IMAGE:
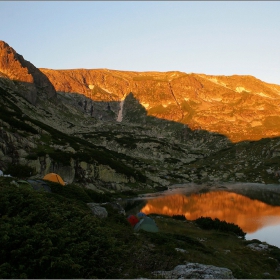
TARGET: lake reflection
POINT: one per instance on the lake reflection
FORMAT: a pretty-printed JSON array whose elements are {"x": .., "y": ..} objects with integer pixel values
[{"x": 249, "y": 214}]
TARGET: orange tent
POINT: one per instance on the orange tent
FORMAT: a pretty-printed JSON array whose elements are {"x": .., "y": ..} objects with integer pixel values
[{"x": 54, "y": 178}]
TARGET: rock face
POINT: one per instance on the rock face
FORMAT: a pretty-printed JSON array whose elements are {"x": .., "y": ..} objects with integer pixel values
[
  {"x": 240, "y": 107},
  {"x": 29, "y": 79},
  {"x": 196, "y": 271}
]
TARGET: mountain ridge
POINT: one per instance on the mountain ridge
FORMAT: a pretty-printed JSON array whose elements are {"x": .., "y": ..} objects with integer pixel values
[
  {"x": 115, "y": 130},
  {"x": 240, "y": 107}
]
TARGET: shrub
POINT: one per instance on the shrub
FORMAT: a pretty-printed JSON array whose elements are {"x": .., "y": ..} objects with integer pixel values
[
  {"x": 98, "y": 197},
  {"x": 179, "y": 217},
  {"x": 73, "y": 191},
  {"x": 208, "y": 223},
  {"x": 19, "y": 171},
  {"x": 69, "y": 191},
  {"x": 43, "y": 236}
]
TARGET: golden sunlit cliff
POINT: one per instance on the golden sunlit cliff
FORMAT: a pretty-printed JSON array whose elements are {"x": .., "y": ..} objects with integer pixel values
[
  {"x": 30, "y": 81},
  {"x": 240, "y": 107}
]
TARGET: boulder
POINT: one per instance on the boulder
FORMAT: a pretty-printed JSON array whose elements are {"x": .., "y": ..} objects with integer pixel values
[
  {"x": 258, "y": 247},
  {"x": 195, "y": 271},
  {"x": 98, "y": 210},
  {"x": 181, "y": 250}
]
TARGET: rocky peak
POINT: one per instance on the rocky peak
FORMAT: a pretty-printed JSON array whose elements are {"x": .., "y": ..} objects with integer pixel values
[{"x": 29, "y": 79}]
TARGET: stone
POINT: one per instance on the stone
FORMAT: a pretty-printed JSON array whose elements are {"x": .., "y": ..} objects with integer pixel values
[
  {"x": 258, "y": 247},
  {"x": 239, "y": 175},
  {"x": 195, "y": 271},
  {"x": 83, "y": 165},
  {"x": 181, "y": 250},
  {"x": 92, "y": 187},
  {"x": 98, "y": 210},
  {"x": 22, "y": 153},
  {"x": 14, "y": 183},
  {"x": 70, "y": 150}
]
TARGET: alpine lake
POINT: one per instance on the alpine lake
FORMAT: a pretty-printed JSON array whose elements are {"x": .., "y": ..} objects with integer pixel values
[{"x": 254, "y": 207}]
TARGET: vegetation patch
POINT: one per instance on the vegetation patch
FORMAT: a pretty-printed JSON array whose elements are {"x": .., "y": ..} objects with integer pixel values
[
  {"x": 208, "y": 223},
  {"x": 179, "y": 217},
  {"x": 45, "y": 237},
  {"x": 20, "y": 171}
]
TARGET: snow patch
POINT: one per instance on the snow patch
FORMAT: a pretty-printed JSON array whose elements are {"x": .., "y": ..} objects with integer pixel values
[
  {"x": 256, "y": 123},
  {"x": 165, "y": 105},
  {"x": 214, "y": 80},
  {"x": 146, "y": 105},
  {"x": 216, "y": 98},
  {"x": 264, "y": 95},
  {"x": 106, "y": 90},
  {"x": 240, "y": 89}
]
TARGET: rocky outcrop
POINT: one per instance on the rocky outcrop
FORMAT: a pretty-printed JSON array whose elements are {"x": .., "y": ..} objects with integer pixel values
[
  {"x": 29, "y": 80},
  {"x": 196, "y": 271},
  {"x": 16, "y": 149}
]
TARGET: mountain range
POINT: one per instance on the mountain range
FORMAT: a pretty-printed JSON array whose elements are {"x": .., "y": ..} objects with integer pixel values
[{"x": 120, "y": 130}]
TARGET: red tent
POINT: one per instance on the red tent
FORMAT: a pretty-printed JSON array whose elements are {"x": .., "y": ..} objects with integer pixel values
[{"x": 133, "y": 220}]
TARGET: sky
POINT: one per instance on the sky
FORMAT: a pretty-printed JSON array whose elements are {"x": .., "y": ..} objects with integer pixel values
[{"x": 209, "y": 37}]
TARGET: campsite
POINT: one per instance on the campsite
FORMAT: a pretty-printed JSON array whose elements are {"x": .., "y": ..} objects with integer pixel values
[{"x": 60, "y": 223}]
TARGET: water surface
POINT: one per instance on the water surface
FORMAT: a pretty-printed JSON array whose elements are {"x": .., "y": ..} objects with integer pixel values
[{"x": 255, "y": 208}]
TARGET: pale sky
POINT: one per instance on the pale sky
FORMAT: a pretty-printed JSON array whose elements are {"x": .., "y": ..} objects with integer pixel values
[{"x": 210, "y": 37}]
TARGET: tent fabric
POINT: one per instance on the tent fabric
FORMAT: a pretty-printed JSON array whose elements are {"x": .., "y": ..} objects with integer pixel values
[
  {"x": 39, "y": 185},
  {"x": 23, "y": 183},
  {"x": 147, "y": 224},
  {"x": 133, "y": 220},
  {"x": 141, "y": 215},
  {"x": 53, "y": 177}
]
